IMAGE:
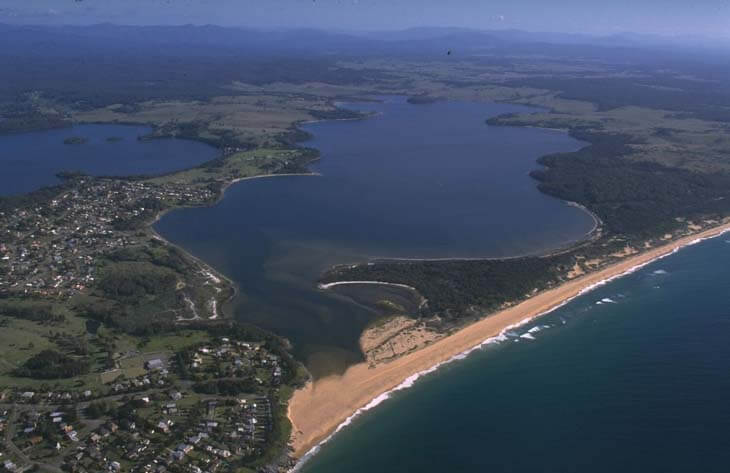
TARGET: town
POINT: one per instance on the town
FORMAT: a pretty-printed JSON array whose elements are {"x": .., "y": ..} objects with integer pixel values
[
  {"x": 206, "y": 408},
  {"x": 50, "y": 248}
]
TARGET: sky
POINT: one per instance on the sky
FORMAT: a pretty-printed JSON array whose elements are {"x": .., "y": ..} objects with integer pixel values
[{"x": 706, "y": 18}]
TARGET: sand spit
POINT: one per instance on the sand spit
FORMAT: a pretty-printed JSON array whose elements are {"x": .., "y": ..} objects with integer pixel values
[{"x": 322, "y": 408}]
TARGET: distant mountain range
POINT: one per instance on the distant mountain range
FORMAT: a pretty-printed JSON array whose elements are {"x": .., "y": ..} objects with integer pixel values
[{"x": 190, "y": 39}]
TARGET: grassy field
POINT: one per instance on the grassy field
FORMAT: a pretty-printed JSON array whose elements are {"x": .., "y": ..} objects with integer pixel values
[
  {"x": 21, "y": 339},
  {"x": 258, "y": 120},
  {"x": 236, "y": 166}
]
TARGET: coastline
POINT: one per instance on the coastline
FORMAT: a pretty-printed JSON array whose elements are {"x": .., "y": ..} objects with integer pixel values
[{"x": 340, "y": 398}]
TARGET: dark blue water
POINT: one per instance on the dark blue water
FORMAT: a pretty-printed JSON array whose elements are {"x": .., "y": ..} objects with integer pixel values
[
  {"x": 415, "y": 181},
  {"x": 640, "y": 385},
  {"x": 30, "y": 161}
]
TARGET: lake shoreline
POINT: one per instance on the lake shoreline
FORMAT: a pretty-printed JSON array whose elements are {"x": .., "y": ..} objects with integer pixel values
[
  {"x": 341, "y": 398},
  {"x": 209, "y": 269}
]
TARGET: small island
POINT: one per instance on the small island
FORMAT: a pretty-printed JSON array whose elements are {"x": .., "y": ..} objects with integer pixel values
[{"x": 75, "y": 140}]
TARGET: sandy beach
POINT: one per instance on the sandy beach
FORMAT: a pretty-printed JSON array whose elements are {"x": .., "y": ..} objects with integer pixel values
[{"x": 320, "y": 408}]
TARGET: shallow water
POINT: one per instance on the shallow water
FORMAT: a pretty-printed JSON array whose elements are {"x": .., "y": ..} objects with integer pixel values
[
  {"x": 636, "y": 383},
  {"x": 30, "y": 161},
  {"x": 414, "y": 181}
]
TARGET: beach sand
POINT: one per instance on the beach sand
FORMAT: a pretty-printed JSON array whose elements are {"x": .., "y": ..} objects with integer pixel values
[{"x": 320, "y": 407}]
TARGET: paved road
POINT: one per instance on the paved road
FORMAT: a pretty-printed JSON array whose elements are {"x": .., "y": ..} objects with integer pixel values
[{"x": 10, "y": 446}]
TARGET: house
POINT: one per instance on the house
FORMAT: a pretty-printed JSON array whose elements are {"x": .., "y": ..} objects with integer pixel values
[
  {"x": 154, "y": 364},
  {"x": 185, "y": 448}
]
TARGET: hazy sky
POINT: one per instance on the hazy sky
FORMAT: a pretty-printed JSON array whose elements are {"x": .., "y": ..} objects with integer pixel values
[{"x": 668, "y": 17}]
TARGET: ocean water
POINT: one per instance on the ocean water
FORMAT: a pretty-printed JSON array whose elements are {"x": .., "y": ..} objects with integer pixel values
[
  {"x": 414, "y": 181},
  {"x": 30, "y": 161},
  {"x": 632, "y": 377}
]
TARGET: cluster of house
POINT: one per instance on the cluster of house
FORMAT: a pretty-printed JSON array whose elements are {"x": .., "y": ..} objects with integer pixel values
[
  {"x": 167, "y": 430},
  {"x": 156, "y": 378},
  {"x": 209, "y": 445},
  {"x": 237, "y": 358},
  {"x": 49, "y": 248},
  {"x": 21, "y": 396},
  {"x": 34, "y": 426}
]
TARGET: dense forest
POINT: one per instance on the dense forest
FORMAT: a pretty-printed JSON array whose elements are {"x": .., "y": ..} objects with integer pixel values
[
  {"x": 37, "y": 311},
  {"x": 454, "y": 289},
  {"x": 50, "y": 364},
  {"x": 635, "y": 199},
  {"x": 136, "y": 289},
  {"x": 703, "y": 99}
]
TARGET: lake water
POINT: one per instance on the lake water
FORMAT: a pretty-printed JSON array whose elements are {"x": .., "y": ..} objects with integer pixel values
[
  {"x": 414, "y": 181},
  {"x": 637, "y": 385},
  {"x": 30, "y": 161}
]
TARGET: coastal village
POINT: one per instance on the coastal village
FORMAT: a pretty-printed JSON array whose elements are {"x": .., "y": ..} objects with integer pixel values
[
  {"x": 84, "y": 283},
  {"x": 49, "y": 248},
  {"x": 165, "y": 420}
]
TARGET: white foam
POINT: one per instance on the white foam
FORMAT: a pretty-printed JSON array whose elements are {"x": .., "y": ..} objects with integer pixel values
[
  {"x": 408, "y": 382},
  {"x": 380, "y": 283},
  {"x": 528, "y": 336},
  {"x": 599, "y": 302},
  {"x": 659, "y": 271},
  {"x": 608, "y": 300}
]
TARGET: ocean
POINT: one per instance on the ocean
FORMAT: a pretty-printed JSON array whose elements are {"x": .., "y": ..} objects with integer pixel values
[{"x": 633, "y": 377}]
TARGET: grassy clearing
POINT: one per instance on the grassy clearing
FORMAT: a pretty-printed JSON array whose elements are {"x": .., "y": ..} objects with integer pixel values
[
  {"x": 236, "y": 166},
  {"x": 259, "y": 120},
  {"x": 173, "y": 342},
  {"x": 133, "y": 366},
  {"x": 22, "y": 339}
]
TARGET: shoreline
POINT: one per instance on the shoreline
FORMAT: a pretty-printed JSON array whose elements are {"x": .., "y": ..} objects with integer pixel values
[
  {"x": 341, "y": 398},
  {"x": 215, "y": 272},
  {"x": 587, "y": 237},
  {"x": 379, "y": 283}
]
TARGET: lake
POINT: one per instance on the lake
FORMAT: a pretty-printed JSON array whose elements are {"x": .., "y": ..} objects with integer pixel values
[
  {"x": 632, "y": 377},
  {"x": 32, "y": 160},
  {"x": 414, "y": 181}
]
